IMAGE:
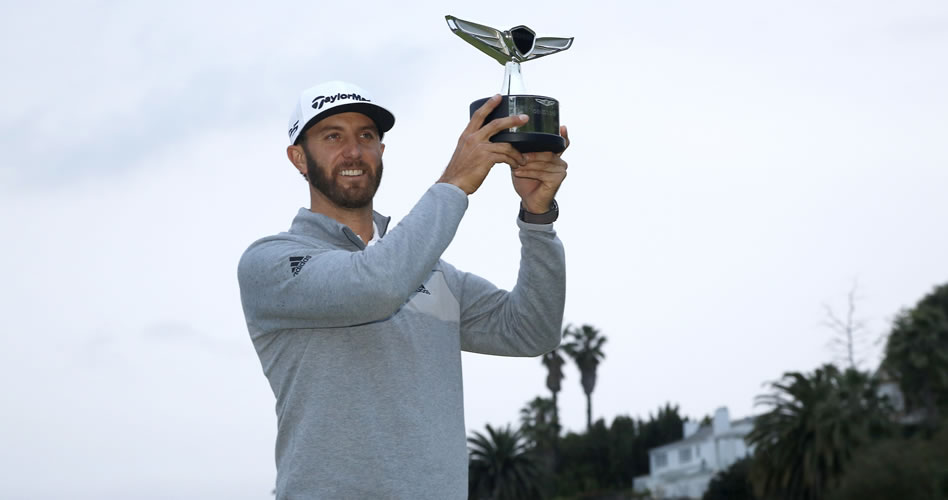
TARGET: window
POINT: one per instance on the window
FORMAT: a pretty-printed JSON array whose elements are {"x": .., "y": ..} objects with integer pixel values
[
  {"x": 684, "y": 455},
  {"x": 698, "y": 450},
  {"x": 660, "y": 460}
]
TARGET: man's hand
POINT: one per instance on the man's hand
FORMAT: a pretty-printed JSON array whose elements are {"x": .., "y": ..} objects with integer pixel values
[
  {"x": 537, "y": 180},
  {"x": 475, "y": 154}
]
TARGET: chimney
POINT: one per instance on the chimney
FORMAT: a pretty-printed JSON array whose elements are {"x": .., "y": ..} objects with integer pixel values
[
  {"x": 690, "y": 428},
  {"x": 722, "y": 420}
]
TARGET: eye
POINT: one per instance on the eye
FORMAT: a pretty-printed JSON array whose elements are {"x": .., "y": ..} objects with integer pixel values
[
  {"x": 368, "y": 134},
  {"x": 333, "y": 136}
]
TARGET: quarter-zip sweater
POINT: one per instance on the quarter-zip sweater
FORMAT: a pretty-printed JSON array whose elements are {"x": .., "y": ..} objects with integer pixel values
[{"x": 362, "y": 346}]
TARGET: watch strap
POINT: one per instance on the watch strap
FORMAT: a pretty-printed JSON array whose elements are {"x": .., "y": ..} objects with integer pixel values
[{"x": 545, "y": 218}]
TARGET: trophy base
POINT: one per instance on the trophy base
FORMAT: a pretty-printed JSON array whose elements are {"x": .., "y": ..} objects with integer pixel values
[{"x": 540, "y": 133}]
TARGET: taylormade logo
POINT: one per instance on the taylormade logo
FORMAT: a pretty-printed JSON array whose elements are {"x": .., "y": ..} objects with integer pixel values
[{"x": 320, "y": 100}]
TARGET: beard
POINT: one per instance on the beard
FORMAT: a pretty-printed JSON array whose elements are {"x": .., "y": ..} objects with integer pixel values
[{"x": 346, "y": 197}]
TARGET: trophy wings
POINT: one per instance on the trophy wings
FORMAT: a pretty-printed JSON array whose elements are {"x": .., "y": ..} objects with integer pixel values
[
  {"x": 516, "y": 44},
  {"x": 549, "y": 45}
]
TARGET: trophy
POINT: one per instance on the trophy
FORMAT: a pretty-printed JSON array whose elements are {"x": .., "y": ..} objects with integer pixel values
[{"x": 510, "y": 48}]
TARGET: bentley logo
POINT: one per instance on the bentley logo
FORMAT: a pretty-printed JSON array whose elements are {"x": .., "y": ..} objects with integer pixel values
[{"x": 546, "y": 102}]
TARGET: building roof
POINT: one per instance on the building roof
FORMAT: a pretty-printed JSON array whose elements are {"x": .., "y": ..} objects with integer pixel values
[
  {"x": 742, "y": 421},
  {"x": 704, "y": 432},
  {"x": 701, "y": 434}
]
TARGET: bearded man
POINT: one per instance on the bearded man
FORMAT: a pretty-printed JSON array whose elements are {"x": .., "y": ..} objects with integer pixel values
[{"x": 360, "y": 329}]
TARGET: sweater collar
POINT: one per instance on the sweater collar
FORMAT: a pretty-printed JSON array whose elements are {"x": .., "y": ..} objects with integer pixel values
[{"x": 308, "y": 223}]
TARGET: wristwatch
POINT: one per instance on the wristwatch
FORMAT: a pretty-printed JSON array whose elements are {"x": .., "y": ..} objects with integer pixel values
[{"x": 545, "y": 218}]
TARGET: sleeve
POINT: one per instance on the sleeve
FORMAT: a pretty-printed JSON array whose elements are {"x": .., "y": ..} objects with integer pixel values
[
  {"x": 527, "y": 320},
  {"x": 337, "y": 288}
]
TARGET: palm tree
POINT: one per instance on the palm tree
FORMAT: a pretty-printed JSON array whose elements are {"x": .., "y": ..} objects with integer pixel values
[
  {"x": 501, "y": 467},
  {"x": 814, "y": 424},
  {"x": 585, "y": 347},
  {"x": 554, "y": 362}
]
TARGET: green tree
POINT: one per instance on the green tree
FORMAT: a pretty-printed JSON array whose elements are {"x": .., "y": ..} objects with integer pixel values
[
  {"x": 623, "y": 448},
  {"x": 732, "y": 483},
  {"x": 501, "y": 467},
  {"x": 916, "y": 355},
  {"x": 666, "y": 426},
  {"x": 539, "y": 431},
  {"x": 814, "y": 425},
  {"x": 584, "y": 345},
  {"x": 554, "y": 362},
  {"x": 914, "y": 469},
  {"x": 536, "y": 422},
  {"x": 584, "y": 466},
  {"x": 605, "y": 459}
]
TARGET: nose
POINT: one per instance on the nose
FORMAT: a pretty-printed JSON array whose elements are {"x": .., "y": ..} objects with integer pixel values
[{"x": 352, "y": 149}]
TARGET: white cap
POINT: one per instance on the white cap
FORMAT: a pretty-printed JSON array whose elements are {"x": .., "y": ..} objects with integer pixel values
[{"x": 330, "y": 98}]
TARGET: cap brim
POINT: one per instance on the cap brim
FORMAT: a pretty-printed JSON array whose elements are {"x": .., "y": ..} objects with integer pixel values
[{"x": 382, "y": 117}]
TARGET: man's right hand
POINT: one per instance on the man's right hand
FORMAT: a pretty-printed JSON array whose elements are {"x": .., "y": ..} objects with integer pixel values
[{"x": 475, "y": 154}]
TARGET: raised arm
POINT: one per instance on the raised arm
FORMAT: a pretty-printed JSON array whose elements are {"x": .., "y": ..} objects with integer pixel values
[
  {"x": 527, "y": 320},
  {"x": 343, "y": 287},
  {"x": 350, "y": 286}
]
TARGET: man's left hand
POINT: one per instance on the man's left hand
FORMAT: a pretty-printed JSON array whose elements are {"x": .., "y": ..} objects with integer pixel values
[{"x": 538, "y": 180}]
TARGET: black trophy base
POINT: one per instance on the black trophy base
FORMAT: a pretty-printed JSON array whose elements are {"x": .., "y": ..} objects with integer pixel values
[{"x": 541, "y": 132}]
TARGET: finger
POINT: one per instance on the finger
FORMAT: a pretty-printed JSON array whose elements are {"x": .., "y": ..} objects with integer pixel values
[
  {"x": 506, "y": 148},
  {"x": 549, "y": 178},
  {"x": 504, "y": 157},
  {"x": 555, "y": 163},
  {"x": 550, "y": 182},
  {"x": 503, "y": 124},
  {"x": 546, "y": 166},
  {"x": 565, "y": 134},
  {"x": 542, "y": 156},
  {"x": 477, "y": 119},
  {"x": 529, "y": 172},
  {"x": 513, "y": 166}
]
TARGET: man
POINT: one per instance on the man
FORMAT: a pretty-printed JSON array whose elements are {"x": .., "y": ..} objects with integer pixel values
[{"x": 359, "y": 329}]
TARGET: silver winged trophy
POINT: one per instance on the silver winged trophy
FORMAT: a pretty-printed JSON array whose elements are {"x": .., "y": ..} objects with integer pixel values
[{"x": 510, "y": 48}]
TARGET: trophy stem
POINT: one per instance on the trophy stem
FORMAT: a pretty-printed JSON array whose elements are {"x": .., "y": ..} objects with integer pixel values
[{"x": 513, "y": 80}]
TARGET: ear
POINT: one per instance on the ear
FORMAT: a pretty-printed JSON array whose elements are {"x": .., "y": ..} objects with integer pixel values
[
  {"x": 297, "y": 157},
  {"x": 382, "y": 146}
]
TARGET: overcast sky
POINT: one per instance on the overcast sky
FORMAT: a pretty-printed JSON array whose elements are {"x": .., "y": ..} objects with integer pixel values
[{"x": 734, "y": 167}]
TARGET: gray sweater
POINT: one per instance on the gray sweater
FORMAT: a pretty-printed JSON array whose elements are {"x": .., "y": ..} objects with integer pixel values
[{"x": 362, "y": 346}]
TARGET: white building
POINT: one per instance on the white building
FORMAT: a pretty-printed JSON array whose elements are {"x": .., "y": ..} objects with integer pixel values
[{"x": 684, "y": 468}]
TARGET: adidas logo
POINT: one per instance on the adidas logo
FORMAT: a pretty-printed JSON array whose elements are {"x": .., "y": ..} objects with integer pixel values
[
  {"x": 422, "y": 289},
  {"x": 297, "y": 263}
]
